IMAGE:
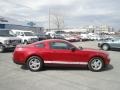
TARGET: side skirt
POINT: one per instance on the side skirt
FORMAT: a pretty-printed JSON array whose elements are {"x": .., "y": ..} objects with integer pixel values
[{"x": 65, "y": 64}]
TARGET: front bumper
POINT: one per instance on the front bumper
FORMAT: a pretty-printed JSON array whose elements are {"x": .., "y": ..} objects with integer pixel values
[
  {"x": 9, "y": 46},
  {"x": 32, "y": 41},
  {"x": 11, "y": 43}
]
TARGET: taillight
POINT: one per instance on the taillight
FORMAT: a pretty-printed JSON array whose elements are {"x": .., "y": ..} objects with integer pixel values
[{"x": 19, "y": 47}]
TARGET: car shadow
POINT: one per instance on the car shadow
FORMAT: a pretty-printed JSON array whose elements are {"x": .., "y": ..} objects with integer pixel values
[
  {"x": 66, "y": 68},
  {"x": 117, "y": 50},
  {"x": 57, "y": 68},
  {"x": 8, "y": 51},
  {"x": 24, "y": 67},
  {"x": 108, "y": 68}
]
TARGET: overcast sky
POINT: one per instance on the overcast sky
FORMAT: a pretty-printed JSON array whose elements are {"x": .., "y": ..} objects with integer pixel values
[{"x": 76, "y": 12}]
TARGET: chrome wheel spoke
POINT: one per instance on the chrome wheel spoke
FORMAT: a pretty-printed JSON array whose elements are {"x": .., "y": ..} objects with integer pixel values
[
  {"x": 96, "y": 64},
  {"x": 34, "y": 63}
]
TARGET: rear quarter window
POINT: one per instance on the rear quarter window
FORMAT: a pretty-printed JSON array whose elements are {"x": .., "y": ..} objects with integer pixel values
[{"x": 40, "y": 45}]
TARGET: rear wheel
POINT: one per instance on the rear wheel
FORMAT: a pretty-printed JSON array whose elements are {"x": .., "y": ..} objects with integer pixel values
[
  {"x": 96, "y": 64},
  {"x": 1, "y": 48},
  {"x": 105, "y": 47},
  {"x": 34, "y": 63}
]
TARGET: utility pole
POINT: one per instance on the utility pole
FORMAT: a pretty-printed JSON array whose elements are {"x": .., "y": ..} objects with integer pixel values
[{"x": 49, "y": 19}]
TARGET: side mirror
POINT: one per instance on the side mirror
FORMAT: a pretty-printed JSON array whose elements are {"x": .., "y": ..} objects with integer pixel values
[{"x": 72, "y": 48}]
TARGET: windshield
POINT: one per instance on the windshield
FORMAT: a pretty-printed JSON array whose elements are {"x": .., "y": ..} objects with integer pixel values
[
  {"x": 5, "y": 33},
  {"x": 28, "y": 34},
  {"x": 41, "y": 35}
]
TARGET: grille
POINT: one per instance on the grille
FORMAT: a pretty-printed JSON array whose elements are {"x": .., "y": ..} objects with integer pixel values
[
  {"x": 34, "y": 39},
  {"x": 14, "y": 42}
]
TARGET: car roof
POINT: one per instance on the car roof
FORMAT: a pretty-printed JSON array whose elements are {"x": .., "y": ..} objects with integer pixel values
[{"x": 51, "y": 40}]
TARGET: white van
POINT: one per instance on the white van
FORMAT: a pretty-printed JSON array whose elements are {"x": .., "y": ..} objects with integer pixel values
[{"x": 26, "y": 36}]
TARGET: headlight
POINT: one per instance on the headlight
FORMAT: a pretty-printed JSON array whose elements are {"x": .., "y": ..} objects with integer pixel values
[{"x": 6, "y": 42}]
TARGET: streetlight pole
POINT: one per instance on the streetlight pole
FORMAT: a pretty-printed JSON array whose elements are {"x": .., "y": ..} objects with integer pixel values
[{"x": 49, "y": 20}]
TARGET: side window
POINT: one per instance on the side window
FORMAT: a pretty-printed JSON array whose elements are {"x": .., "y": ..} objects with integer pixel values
[
  {"x": 59, "y": 45},
  {"x": 17, "y": 33},
  {"x": 22, "y": 34},
  {"x": 40, "y": 45}
]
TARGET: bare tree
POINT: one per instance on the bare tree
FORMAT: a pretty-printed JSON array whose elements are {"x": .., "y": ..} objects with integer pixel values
[
  {"x": 57, "y": 19},
  {"x": 31, "y": 23}
]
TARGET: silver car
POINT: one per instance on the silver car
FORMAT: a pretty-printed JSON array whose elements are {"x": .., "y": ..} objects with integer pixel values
[{"x": 110, "y": 44}]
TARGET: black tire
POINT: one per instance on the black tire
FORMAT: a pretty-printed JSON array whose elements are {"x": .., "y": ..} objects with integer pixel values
[
  {"x": 25, "y": 42},
  {"x": 105, "y": 47},
  {"x": 81, "y": 40},
  {"x": 96, "y": 64},
  {"x": 34, "y": 63},
  {"x": 2, "y": 48}
]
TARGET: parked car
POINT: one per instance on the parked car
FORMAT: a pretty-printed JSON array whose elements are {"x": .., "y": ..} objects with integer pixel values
[
  {"x": 56, "y": 52},
  {"x": 50, "y": 33},
  {"x": 58, "y": 36},
  {"x": 109, "y": 44},
  {"x": 41, "y": 36},
  {"x": 26, "y": 36},
  {"x": 84, "y": 37},
  {"x": 77, "y": 38},
  {"x": 70, "y": 38},
  {"x": 8, "y": 41}
]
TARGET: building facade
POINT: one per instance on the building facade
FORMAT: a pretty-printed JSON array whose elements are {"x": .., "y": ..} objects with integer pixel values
[{"x": 8, "y": 24}]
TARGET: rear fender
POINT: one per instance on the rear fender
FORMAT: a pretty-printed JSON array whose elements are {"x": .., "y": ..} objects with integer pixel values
[{"x": 33, "y": 55}]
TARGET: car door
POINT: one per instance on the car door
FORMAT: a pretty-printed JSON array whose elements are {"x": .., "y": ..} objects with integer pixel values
[
  {"x": 60, "y": 52},
  {"x": 115, "y": 43}
]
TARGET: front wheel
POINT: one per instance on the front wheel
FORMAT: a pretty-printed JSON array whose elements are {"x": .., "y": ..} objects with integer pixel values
[
  {"x": 34, "y": 63},
  {"x": 96, "y": 64}
]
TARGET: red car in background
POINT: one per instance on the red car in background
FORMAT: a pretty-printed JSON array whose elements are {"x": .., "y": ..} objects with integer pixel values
[{"x": 59, "y": 52}]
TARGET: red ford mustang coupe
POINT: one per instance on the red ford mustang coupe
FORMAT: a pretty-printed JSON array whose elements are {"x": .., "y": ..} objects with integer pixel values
[{"x": 59, "y": 52}]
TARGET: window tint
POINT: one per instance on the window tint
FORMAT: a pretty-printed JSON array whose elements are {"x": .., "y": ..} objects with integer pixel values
[
  {"x": 59, "y": 45},
  {"x": 40, "y": 45}
]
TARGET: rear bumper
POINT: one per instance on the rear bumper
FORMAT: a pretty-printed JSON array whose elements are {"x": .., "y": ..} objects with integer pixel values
[
  {"x": 15, "y": 61},
  {"x": 19, "y": 57}
]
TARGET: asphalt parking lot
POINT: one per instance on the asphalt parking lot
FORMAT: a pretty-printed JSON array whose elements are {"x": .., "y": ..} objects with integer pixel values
[{"x": 15, "y": 77}]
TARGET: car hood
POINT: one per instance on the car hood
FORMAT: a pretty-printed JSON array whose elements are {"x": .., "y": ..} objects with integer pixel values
[
  {"x": 27, "y": 37},
  {"x": 10, "y": 38},
  {"x": 31, "y": 36}
]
